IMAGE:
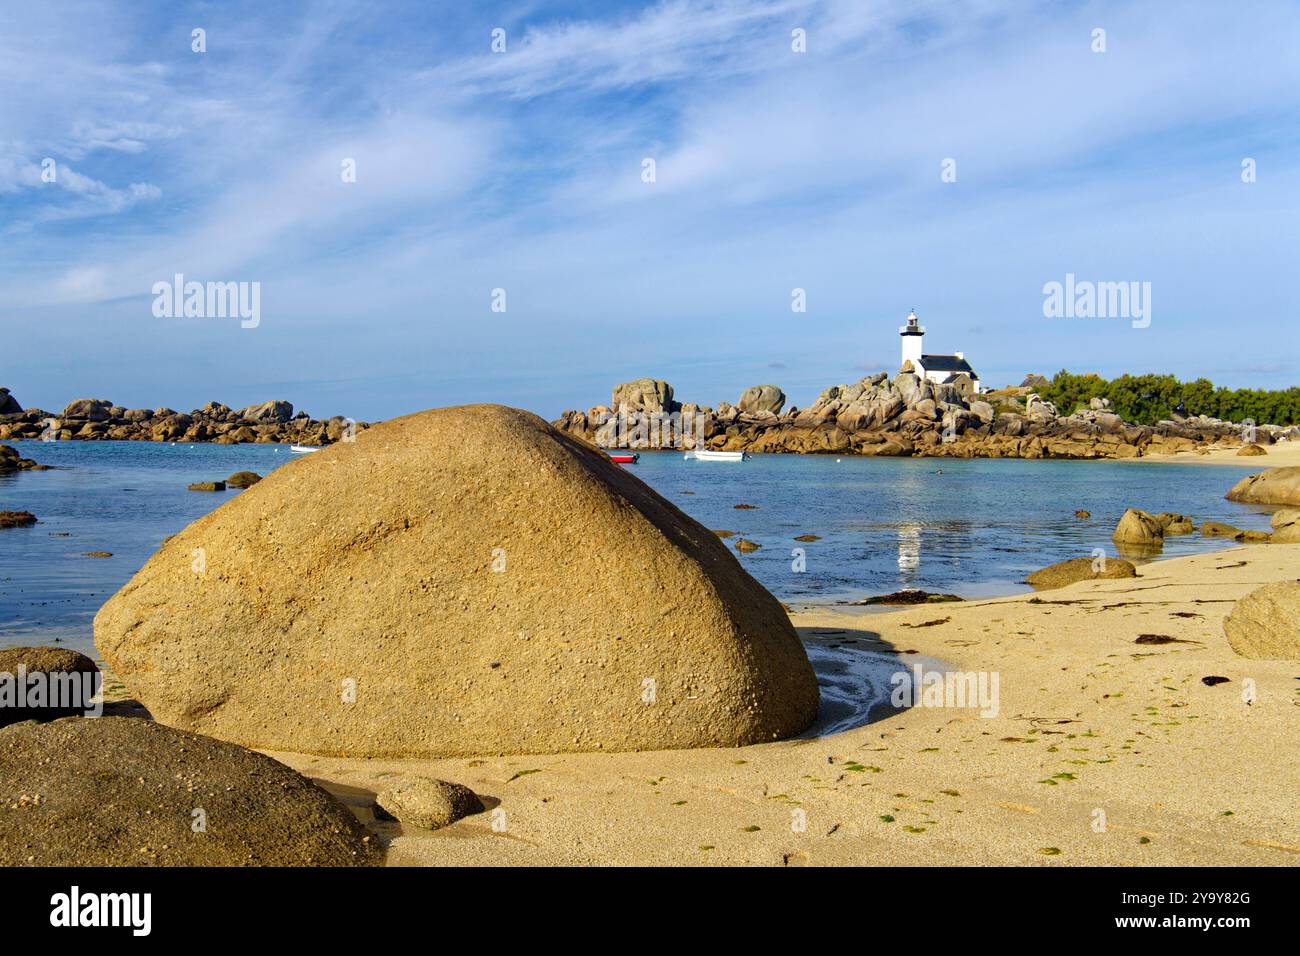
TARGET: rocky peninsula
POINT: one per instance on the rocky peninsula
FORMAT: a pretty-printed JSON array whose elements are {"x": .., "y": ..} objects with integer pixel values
[
  {"x": 903, "y": 416},
  {"x": 97, "y": 419}
]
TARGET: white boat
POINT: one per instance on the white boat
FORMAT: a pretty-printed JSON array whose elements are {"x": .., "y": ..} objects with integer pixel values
[
  {"x": 303, "y": 449},
  {"x": 705, "y": 455}
]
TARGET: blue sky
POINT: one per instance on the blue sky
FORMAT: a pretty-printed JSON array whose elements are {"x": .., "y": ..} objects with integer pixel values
[{"x": 522, "y": 170}]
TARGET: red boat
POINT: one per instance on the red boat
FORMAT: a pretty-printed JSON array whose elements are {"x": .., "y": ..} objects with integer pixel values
[{"x": 624, "y": 459}]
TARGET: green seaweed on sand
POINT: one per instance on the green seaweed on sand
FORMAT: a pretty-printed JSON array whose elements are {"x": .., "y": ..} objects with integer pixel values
[{"x": 523, "y": 773}]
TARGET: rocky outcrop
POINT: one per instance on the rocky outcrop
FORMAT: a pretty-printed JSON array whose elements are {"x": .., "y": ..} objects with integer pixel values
[
  {"x": 460, "y": 581},
  {"x": 758, "y": 399},
  {"x": 16, "y": 519},
  {"x": 11, "y": 461},
  {"x": 1262, "y": 625},
  {"x": 905, "y": 415},
  {"x": 428, "y": 804},
  {"x": 8, "y": 404},
  {"x": 90, "y": 419},
  {"x": 123, "y": 791},
  {"x": 1079, "y": 569},
  {"x": 1277, "y": 486}
]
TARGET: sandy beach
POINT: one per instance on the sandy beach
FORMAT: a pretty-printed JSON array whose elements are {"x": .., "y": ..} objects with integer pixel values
[
  {"x": 1092, "y": 728},
  {"x": 1281, "y": 455}
]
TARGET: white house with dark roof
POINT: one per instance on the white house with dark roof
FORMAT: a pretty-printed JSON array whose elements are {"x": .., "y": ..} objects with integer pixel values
[{"x": 940, "y": 369}]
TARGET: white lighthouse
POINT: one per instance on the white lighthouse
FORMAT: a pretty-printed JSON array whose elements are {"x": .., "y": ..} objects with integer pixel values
[
  {"x": 912, "y": 334},
  {"x": 941, "y": 369}
]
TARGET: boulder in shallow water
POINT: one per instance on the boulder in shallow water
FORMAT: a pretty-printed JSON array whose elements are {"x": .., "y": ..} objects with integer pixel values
[
  {"x": 1262, "y": 625},
  {"x": 460, "y": 581},
  {"x": 17, "y": 519},
  {"x": 1277, "y": 486},
  {"x": 243, "y": 479},
  {"x": 1136, "y": 527},
  {"x": 1172, "y": 523},
  {"x": 1218, "y": 529},
  {"x": 1061, "y": 573},
  {"x": 123, "y": 791}
]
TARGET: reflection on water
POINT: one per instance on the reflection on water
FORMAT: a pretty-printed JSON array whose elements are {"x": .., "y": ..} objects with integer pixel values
[
  {"x": 909, "y": 548},
  {"x": 973, "y": 527}
]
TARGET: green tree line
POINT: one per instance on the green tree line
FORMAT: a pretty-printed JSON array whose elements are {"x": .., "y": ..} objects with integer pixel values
[{"x": 1146, "y": 399}]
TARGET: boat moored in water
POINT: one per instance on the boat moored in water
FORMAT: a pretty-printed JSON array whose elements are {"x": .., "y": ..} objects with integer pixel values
[{"x": 706, "y": 455}]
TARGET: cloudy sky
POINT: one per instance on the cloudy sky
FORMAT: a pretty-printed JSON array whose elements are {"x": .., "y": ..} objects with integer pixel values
[{"x": 522, "y": 170}]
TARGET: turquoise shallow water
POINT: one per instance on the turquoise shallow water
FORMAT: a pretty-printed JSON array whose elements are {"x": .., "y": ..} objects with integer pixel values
[{"x": 970, "y": 527}]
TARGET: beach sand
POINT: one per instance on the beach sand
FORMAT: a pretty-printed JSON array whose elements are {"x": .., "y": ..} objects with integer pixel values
[
  {"x": 1089, "y": 723},
  {"x": 1280, "y": 455}
]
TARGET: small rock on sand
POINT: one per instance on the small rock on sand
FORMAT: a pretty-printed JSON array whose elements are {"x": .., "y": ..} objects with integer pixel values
[
  {"x": 1251, "y": 450},
  {"x": 427, "y": 803},
  {"x": 1079, "y": 569}
]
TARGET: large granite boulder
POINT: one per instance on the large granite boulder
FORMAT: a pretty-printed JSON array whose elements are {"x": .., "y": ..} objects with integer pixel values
[
  {"x": 1061, "y": 573},
  {"x": 1262, "y": 625},
  {"x": 274, "y": 412},
  {"x": 8, "y": 404},
  {"x": 643, "y": 395},
  {"x": 459, "y": 581},
  {"x": 89, "y": 409},
  {"x": 762, "y": 398},
  {"x": 1277, "y": 486},
  {"x": 123, "y": 791}
]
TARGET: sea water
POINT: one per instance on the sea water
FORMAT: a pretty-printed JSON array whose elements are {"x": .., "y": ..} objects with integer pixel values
[{"x": 971, "y": 527}]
